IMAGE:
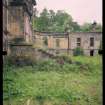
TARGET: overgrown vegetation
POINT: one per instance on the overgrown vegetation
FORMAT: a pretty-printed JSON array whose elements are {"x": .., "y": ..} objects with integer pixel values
[
  {"x": 78, "y": 51},
  {"x": 20, "y": 60},
  {"x": 49, "y": 82}
]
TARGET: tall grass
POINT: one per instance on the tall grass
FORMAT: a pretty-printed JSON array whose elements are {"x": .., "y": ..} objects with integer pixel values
[{"x": 51, "y": 83}]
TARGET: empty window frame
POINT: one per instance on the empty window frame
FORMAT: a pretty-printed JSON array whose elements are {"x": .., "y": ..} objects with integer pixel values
[
  {"x": 91, "y": 52},
  {"x": 78, "y": 42},
  {"x": 57, "y": 42},
  {"x": 91, "y": 41},
  {"x": 45, "y": 40}
]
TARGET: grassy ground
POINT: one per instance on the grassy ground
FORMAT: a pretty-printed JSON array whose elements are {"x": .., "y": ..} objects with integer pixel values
[{"x": 48, "y": 83}]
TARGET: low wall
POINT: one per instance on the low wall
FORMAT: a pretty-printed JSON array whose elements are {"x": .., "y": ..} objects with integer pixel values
[
  {"x": 71, "y": 51},
  {"x": 21, "y": 50}
]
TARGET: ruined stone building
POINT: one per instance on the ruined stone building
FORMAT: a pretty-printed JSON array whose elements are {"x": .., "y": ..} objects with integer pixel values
[
  {"x": 17, "y": 21},
  {"x": 17, "y": 27},
  {"x": 67, "y": 42}
]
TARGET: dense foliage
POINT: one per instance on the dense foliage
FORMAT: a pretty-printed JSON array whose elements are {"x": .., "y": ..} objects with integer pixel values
[
  {"x": 51, "y": 83},
  {"x": 78, "y": 51},
  {"x": 60, "y": 21}
]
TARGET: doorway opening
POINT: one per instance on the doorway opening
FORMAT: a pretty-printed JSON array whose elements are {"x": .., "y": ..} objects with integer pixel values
[
  {"x": 91, "y": 52},
  {"x": 100, "y": 52}
]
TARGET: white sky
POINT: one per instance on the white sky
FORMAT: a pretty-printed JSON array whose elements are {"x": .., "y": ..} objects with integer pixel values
[{"x": 81, "y": 10}]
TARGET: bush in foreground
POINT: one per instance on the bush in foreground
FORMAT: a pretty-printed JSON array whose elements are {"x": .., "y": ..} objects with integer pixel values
[
  {"x": 78, "y": 51},
  {"x": 68, "y": 85}
]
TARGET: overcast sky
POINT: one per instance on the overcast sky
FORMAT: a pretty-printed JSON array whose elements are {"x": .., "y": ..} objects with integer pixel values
[{"x": 81, "y": 10}]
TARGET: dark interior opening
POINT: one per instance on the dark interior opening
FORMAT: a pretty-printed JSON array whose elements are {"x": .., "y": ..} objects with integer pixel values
[
  {"x": 91, "y": 52},
  {"x": 4, "y": 53},
  {"x": 100, "y": 52}
]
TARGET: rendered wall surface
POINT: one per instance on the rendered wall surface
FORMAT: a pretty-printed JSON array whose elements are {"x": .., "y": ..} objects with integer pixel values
[{"x": 63, "y": 41}]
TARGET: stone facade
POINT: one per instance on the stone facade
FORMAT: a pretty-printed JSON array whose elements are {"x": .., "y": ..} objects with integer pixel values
[
  {"x": 67, "y": 42},
  {"x": 85, "y": 42},
  {"x": 17, "y": 18},
  {"x": 5, "y": 25},
  {"x": 52, "y": 39}
]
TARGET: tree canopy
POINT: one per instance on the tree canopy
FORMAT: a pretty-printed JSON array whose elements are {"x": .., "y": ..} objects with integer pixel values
[{"x": 60, "y": 21}]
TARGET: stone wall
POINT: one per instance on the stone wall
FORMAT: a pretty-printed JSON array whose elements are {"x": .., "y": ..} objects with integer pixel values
[
  {"x": 5, "y": 25},
  {"x": 51, "y": 39},
  {"x": 63, "y": 41},
  {"x": 17, "y": 16},
  {"x": 23, "y": 50},
  {"x": 28, "y": 31},
  {"x": 85, "y": 41},
  {"x": 15, "y": 21}
]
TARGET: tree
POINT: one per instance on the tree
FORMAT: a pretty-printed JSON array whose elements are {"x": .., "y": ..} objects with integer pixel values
[
  {"x": 52, "y": 20},
  {"x": 60, "y": 21},
  {"x": 42, "y": 21},
  {"x": 75, "y": 26},
  {"x": 63, "y": 20},
  {"x": 99, "y": 28},
  {"x": 89, "y": 27},
  {"x": 52, "y": 16},
  {"x": 86, "y": 27}
]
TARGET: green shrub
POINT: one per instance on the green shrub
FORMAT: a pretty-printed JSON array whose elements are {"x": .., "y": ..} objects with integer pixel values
[
  {"x": 47, "y": 65},
  {"x": 68, "y": 86},
  {"x": 78, "y": 51},
  {"x": 21, "y": 60},
  {"x": 64, "y": 58}
]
